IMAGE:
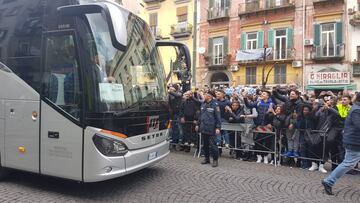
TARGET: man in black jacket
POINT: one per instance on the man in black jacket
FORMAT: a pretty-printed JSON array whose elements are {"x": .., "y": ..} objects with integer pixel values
[
  {"x": 351, "y": 140},
  {"x": 189, "y": 110},
  {"x": 175, "y": 99}
]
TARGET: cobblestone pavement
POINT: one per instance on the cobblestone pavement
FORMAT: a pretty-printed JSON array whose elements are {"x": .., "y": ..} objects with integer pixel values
[{"x": 180, "y": 178}]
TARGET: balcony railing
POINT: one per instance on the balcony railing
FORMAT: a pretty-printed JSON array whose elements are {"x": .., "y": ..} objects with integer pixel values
[
  {"x": 213, "y": 61},
  {"x": 355, "y": 19},
  {"x": 263, "y": 5},
  {"x": 276, "y": 3},
  {"x": 156, "y": 32},
  {"x": 218, "y": 13},
  {"x": 183, "y": 29},
  {"x": 281, "y": 54},
  {"x": 356, "y": 69},
  {"x": 322, "y": 52}
]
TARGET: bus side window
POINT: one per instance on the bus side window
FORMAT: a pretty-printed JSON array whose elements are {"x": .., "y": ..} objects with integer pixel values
[{"x": 62, "y": 85}]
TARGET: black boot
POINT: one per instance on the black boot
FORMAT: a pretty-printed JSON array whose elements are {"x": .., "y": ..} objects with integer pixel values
[
  {"x": 327, "y": 188},
  {"x": 205, "y": 161},
  {"x": 215, "y": 163}
]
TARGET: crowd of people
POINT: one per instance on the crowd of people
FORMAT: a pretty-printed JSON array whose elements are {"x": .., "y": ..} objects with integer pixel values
[{"x": 301, "y": 122}]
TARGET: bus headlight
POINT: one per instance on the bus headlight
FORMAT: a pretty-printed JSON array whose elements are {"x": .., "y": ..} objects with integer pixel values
[{"x": 109, "y": 147}]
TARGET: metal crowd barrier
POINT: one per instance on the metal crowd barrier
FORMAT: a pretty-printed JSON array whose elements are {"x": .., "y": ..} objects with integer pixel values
[{"x": 244, "y": 130}]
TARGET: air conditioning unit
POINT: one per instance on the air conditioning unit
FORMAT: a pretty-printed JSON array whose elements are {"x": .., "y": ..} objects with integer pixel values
[
  {"x": 297, "y": 64},
  {"x": 234, "y": 68},
  {"x": 308, "y": 42}
]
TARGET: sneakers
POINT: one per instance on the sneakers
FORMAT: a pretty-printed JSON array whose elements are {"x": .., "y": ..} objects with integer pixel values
[
  {"x": 321, "y": 168},
  {"x": 205, "y": 161},
  {"x": 215, "y": 163},
  {"x": 259, "y": 159},
  {"x": 327, "y": 188},
  {"x": 313, "y": 167},
  {"x": 266, "y": 159}
]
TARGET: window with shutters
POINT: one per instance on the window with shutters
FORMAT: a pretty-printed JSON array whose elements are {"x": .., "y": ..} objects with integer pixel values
[
  {"x": 181, "y": 14},
  {"x": 328, "y": 39},
  {"x": 250, "y": 75},
  {"x": 153, "y": 18},
  {"x": 358, "y": 53},
  {"x": 218, "y": 51},
  {"x": 280, "y": 74},
  {"x": 280, "y": 44},
  {"x": 251, "y": 40}
]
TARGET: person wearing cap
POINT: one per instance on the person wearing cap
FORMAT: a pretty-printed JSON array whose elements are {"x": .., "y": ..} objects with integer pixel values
[
  {"x": 209, "y": 127},
  {"x": 351, "y": 141}
]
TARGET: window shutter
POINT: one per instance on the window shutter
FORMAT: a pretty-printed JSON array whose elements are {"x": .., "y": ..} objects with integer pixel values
[
  {"x": 339, "y": 33},
  {"x": 339, "y": 37},
  {"x": 317, "y": 34},
  {"x": 243, "y": 41},
  {"x": 271, "y": 38},
  {"x": 153, "y": 19},
  {"x": 260, "y": 39},
  {"x": 180, "y": 11},
  {"x": 211, "y": 3},
  {"x": 227, "y": 3},
  {"x": 226, "y": 45},
  {"x": 290, "y": 38},
  {"x": 210, "y": 48}
]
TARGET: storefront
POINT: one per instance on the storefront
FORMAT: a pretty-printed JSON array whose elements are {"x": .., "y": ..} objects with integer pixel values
[{"x": 328, "y": 77}]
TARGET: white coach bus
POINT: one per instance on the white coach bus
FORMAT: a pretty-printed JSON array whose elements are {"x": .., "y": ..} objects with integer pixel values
[{"x": 82, "y": 90}]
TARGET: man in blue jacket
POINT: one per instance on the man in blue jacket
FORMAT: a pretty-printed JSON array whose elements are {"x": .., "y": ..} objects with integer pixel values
[
  {"x": 210, "y": 125},
  {"x": 351, "y": 141}
]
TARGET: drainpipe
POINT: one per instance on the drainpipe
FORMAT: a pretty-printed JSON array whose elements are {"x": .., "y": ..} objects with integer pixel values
[
  {"x": 194, "y": 45},
  {"x": 303, "y": 45}
]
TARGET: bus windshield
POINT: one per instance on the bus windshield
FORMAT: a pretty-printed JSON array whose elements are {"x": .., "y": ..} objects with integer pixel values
[{"x": 118, "y": 80}]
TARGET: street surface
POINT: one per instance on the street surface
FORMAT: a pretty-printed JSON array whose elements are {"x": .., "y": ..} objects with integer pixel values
[{"x": 181, "y": 178}]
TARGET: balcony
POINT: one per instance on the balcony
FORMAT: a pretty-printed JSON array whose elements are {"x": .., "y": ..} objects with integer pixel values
[
  {"x": 218, "y": 14},
  {"x": 281, "y": 55},
  {"x": 217, "y": 63},
  {"x": 183, "y": 29},
  {"x": 322, "y": 53},
  {"x": 326, "y": 1},
  {"x": 258, "y": 6},
  {"x": 356, "y": 69},
  {"x": 355, "y": 19},
  {"x": 156, "y": 32}
]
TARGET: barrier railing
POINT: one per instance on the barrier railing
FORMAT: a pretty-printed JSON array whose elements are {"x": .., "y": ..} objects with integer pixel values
[{"x": 247, "y": 133}]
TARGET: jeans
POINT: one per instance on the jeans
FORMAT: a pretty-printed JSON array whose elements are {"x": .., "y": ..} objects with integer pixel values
[
  {"x": 224, "y": 136},
  {"x": 210, "y": 146},
  {"x": 176, "y": 131},
  {"x": 350, "y": 161}
]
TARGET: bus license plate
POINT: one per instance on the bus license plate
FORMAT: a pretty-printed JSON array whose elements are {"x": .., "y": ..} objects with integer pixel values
[{"x": 152, "y": 155}]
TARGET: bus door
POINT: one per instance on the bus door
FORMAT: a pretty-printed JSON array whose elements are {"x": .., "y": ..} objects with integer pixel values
[{"x": 61, "y": 130}]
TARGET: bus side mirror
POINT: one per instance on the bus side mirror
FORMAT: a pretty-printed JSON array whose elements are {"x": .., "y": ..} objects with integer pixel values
[
  {"x": 118, "y": 40},
  {"x": 182, "y": 64}
]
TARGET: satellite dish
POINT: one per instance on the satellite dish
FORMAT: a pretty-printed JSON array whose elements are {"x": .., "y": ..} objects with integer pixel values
[{"x": 201, "y": 50}]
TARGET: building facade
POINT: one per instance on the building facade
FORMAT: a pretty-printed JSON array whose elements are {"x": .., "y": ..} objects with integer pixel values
[
  {"x": 353, "y": 40},
  {"x": 171, "y": 20},
  {"x": 250, "y": 27},
  {"x": 249, "y": 42},
  {"x": 327, "y": 49}
]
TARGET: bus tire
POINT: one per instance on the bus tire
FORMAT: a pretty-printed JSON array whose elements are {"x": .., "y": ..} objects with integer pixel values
[{"x": 3, "y": 172}]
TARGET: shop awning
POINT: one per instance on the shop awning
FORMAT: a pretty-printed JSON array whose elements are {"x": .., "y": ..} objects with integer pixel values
[{"x": 331, "y": 87}]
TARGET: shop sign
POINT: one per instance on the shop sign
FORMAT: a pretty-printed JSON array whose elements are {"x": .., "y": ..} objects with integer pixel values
[{"x": 329, "y": 78}]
